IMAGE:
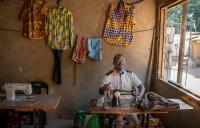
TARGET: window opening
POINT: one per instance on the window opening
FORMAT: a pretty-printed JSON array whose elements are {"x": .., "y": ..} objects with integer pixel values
[{"x": 189, "y": 78}]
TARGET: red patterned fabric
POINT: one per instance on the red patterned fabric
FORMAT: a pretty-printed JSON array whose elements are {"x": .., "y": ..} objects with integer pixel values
[{"x": 79, "y": 53}]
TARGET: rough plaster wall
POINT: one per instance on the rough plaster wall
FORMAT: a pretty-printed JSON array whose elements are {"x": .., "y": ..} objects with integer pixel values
[{"x": 23, "y": 60}]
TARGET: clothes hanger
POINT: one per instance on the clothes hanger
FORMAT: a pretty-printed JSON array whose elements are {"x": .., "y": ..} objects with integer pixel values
[
  {"x": 135, "y": 2},
  {"x": 132, "y": 3},
  {"x": 119, "y": 4},
  {"x": 58, "y": 2}
]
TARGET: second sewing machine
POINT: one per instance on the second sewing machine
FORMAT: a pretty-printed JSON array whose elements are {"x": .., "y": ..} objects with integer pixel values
[{"x": 11, "y": 88}]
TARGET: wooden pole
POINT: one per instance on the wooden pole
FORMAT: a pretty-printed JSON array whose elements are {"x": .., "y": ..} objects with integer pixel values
[
  {"x": 182, "y": 43},
  {"x": 162, "y": 42}
]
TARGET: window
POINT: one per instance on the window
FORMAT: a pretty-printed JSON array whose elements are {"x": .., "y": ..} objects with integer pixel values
[{"x": 180, "y": 45}]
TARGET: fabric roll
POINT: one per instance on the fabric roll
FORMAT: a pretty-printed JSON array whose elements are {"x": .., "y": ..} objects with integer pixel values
[{"x": 94, "y": 48}]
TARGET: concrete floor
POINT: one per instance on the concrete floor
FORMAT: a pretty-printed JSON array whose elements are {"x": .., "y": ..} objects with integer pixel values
[
  {"x": 55, "y": 123},
  {"x": 59, "y": 123}
]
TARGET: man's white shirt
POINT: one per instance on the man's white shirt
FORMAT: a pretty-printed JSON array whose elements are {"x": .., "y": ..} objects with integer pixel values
[{"x": 125, "y": 80}]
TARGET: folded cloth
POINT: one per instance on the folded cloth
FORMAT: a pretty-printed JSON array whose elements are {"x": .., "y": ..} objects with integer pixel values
[
  {"x": 153, "y": 101},
  {"x": 79, "y": 53},
  {"x": 94, "y": 48}
]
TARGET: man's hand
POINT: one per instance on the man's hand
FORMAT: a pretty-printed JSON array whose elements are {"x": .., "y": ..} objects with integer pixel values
[
  {"x": 105, "y": 88},
  {"x": 139, "y": 97},
  {"x": 141, "y": 91}
]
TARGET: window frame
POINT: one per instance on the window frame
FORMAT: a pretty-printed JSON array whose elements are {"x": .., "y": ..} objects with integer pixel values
[{"x": 163, "y": 10}]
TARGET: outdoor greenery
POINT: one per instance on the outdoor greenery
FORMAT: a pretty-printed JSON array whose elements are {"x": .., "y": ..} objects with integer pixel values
[{"x": 193, "y": 16}]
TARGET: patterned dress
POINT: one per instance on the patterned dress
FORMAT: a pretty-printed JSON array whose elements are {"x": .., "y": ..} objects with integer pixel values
[
  {"x": 59, "y": 28},
  {"x": 33, "y": 15},
  {"x": 120, "y": 24}
]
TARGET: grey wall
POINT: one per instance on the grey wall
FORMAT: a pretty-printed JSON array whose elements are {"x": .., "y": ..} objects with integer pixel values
[{"x": 23, "y": 60}]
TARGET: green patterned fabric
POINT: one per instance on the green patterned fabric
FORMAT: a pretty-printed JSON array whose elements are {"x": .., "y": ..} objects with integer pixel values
[{"x": 59, "y": 28}]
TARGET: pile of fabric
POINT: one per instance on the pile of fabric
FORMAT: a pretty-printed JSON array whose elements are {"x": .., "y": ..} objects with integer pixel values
[{"x": 153, "y": 101}]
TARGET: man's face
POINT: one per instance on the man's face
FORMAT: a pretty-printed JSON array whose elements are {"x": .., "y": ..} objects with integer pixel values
[{"x": 120, "y": 62}]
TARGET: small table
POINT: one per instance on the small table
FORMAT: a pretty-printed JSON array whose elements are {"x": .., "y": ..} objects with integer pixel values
[{"x": 40, "y": 102}]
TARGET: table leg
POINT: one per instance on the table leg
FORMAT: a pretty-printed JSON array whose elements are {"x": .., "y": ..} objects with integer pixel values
[
  {"x": 143, "y": 121},
  {"x": 147, "y": 118},
  {"x": 43, "y": 120},
  {"x": 104, "y": 124},
  {"x": 38, "y": 121},
  {"x": 35, "y": 117},
  {"x": 4, "y": 118}
]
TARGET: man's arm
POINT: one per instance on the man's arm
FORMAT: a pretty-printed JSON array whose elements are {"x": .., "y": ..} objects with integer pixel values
[
  {"x": 136, "y": 81},
  {"x": 141, "y": 90}
]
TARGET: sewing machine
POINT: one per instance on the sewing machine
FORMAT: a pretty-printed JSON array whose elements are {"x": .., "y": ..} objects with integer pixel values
[
  {"x": 10, "y": 89},
  {"x": 114, "y": 96}
]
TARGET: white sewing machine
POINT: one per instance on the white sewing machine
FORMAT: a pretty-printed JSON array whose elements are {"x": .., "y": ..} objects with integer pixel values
[{"x": 12, "y": 87}]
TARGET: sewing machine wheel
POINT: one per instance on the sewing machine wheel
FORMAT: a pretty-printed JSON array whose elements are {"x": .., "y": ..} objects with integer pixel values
[{"x": 117, "y": 94}]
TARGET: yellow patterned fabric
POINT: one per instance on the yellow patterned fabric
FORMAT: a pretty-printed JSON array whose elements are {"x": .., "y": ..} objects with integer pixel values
[
  {"x": 120, "y": 24},
  {"x": 33, "y": 15},
  {"x": 59, "y": 28}
]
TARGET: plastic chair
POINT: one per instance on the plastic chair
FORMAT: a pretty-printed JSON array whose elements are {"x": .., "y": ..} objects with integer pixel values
[{"x": 38, "y": 86}]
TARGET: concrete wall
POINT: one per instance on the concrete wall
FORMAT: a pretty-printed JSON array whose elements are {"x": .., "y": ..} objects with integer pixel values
[
  {"x": 180, "y": 119},
  {"x": 23, "y": 60}
]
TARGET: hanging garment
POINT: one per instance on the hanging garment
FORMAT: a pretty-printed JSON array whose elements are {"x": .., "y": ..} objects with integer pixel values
[
  {"x": 59, "y": 28},
  {"x": 79, "y": 53},
  {"x": 94, "y": 48},
  {"x": 120, "y": 24},
  {"x": 33, "y": 15},
  {"x": 57, "y": 66}
]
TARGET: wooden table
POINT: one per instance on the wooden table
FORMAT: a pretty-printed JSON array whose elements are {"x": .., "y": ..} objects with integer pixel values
[
  {"x": 125, "y": 111},
  {"x": 39, "y": 102},
  {"x": 145, "y": 114}
]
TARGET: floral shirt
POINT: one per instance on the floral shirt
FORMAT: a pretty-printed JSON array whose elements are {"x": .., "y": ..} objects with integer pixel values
[
  {"x": 120, "y": 24},
  {"x": 59, "y": 28},
  {"x": 33, "y": 15}
]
